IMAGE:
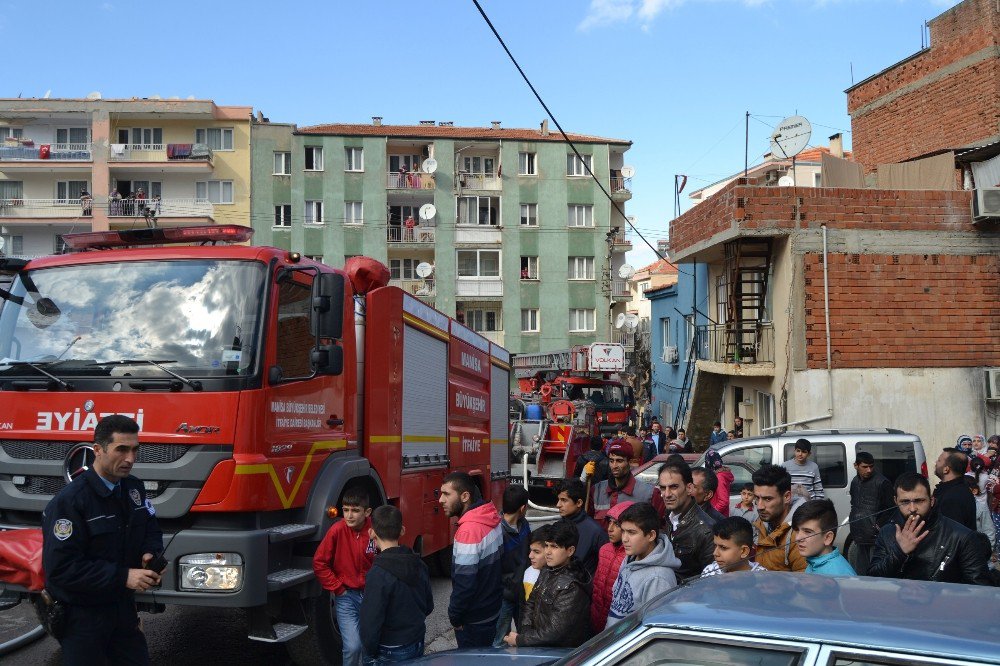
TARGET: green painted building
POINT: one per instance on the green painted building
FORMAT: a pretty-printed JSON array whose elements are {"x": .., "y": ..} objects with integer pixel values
[{"x": 522, "y": 244}]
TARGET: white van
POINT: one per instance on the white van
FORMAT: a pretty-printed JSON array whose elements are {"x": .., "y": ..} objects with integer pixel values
[{"x": 834, "y": 451}]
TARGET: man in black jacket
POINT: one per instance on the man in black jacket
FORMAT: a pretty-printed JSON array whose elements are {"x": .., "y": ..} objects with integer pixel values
[
  {"x": 597, "y": 456},
  {"x": 98, "y": 535},
  {"x": 397, "y": 597},
  {"x": 570, "y": 501},
  {"x": 921, "y": 544},
  {"x": 687, "y": 526},
  {"x": 872, "y": 507},
  {"x": 952, "y": 498}
]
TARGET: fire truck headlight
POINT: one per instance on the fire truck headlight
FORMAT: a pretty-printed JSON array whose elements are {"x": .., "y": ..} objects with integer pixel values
[{"x": 211, "y": 572}]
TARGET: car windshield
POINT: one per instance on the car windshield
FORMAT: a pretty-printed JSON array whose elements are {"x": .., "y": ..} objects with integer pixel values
[{"x": 200, "y": 316}]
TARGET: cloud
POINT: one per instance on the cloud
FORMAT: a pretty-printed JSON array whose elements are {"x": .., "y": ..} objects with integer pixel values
[
  {"x": 108, "y": 7},
  {"x": 603, "y": 13}
]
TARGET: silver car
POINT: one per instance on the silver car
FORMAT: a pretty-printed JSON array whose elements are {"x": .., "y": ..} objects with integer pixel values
[{"x": 789, "y": 619}]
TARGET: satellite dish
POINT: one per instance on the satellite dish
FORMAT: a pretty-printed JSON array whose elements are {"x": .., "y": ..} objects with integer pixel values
[
  {"x": 790, "y": 137},
  {"x": 786, "y": 181},
  {"x": 620, "y": 320},
  {"x": 430, "y": 165},
  {"x": 94, "y": 95},
  {"x": 427, "y": 211},
  {"x": 626, "y": 272},
  {"x": 424, "y": 270},
  {"x": 631, "y": 321},
  {"x": 628, "y": 171}
]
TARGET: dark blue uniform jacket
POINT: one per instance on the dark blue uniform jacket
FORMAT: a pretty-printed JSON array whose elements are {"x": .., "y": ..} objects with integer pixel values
[{"x": 93, "y": 537}]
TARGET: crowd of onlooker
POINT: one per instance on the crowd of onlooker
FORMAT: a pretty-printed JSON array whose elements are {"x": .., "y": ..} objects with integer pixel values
[{"x": 620, "y": 541}]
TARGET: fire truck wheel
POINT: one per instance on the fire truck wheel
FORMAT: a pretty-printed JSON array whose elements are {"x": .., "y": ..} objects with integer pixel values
[{"x": 320, "y": 644}]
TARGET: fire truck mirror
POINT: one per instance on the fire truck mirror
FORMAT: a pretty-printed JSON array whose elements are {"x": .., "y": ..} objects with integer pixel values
[
  {"x": 328, "y": 306},
  {"x": 327, "y": 359}
]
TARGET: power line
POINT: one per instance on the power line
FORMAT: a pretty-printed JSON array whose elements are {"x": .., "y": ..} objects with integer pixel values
[{"x": 566, "y": 138}]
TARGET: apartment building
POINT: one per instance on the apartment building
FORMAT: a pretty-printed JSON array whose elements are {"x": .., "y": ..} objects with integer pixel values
[
  {"x": 72, "y": 165},
  {"x": 520, "y": 242}
]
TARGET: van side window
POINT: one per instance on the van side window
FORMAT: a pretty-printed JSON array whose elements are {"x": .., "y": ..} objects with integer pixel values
[
  {"x": 294, "y": 338},
  {"x": 831, "y": 457},
  {"x": 753, "y": 457},
  {"x": 891, "y": 458}
]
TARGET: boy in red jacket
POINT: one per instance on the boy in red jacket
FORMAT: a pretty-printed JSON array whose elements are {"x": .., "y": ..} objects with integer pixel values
[
  {"x": 609, "y": 561},
  {"x": 341, "y": 562}
]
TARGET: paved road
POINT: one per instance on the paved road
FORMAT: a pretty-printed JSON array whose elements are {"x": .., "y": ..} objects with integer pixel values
[{"x": 212, "y": 636}]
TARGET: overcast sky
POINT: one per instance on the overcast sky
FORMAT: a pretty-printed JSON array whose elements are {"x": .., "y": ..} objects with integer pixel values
[{"x": 674, "y": 76}]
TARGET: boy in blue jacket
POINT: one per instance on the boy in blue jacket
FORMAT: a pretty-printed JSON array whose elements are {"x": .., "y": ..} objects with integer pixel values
[
  {"x": 815, "y": 525},
  {"x": 397, "y": 597}
]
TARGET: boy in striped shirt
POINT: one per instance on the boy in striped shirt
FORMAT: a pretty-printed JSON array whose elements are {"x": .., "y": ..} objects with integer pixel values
[{"x": 805, "y": 472}]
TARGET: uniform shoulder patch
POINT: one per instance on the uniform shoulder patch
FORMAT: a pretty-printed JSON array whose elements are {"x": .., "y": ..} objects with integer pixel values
[
  {"x": 136, "y": 497},
  {"x": 63, "y": 529}
]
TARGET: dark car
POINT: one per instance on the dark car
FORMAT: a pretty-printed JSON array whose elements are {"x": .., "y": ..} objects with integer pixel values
[{"x": 792, "y": 619}]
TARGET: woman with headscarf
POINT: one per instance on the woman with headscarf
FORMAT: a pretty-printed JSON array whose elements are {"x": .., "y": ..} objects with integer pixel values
[
  {"x": 964, "y": 444},
  {"x": 993, "y": 485}
]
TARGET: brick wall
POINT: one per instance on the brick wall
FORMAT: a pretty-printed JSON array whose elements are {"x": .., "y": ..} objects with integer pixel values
[
  {"x": 785, "y": 209},
  {"x": 932, "y": 100},
  {"x": 900, "y": 311}
]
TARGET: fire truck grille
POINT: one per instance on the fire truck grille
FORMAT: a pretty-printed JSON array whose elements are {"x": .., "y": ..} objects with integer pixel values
[
  {"x": 21, "y": 449},
  {"x": 50, "y": 485}
]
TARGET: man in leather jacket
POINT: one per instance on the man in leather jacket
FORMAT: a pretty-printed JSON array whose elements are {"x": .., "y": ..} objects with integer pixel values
[
  {"x": 921, "y": 544},
  {"x": 687, "y": 526}
]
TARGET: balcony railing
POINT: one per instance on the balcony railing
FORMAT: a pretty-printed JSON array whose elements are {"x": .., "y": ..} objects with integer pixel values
[
  {"x": 417, "y": 287},
  {"x": 621, "y": 186},
  {"x": 417, "y": 235},
  {"x": 745, "y": 342},
  {"x": 54, "y": 152},
  {"x": 619, "y": 289},
  {"x": 414, "y": 180},
  {"x": 624, "y": 338},
  {"x": 163, "y": 208},
  {"x": 478, "y": 181},
  {"x": 479, "y": 287},
  {"x": 45, "y": 208},
  {"x": 159, "y": 152},
  {"x": 621, "y": 237}
]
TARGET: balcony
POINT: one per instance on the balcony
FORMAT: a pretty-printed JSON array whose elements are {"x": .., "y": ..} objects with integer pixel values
[
  {"x": 479, "y": 287},
  {"x": 496, "y": 337},
  {"x": 423, "y": 289},
  {"x": 163, "y": 208},
  {"x": 417, "y": 236},
  {"x": 29, "y": 151},
  {"x": 621, "y": 188},
  {"x": 184, "y": 154},
  {"x": 26, "y": 209},
  {"x": 619, "y": 289},
  {"x": 624, "y": 338},
  {"x": 620, "y": 240},
  {"x": 478, "y": 181},
  {"x": 737, "y": 343},
  {"x": 414, "y": 180},
  {"x": 477, "y": 234}
]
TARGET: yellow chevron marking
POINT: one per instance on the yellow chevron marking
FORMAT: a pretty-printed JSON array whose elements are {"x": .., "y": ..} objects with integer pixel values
[{"x": 268, "y": 468}]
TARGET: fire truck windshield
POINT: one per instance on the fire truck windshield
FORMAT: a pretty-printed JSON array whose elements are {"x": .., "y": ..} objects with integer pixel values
[
  {"x": 608, "y": 396},
  {"x": 202, "y": 315}
]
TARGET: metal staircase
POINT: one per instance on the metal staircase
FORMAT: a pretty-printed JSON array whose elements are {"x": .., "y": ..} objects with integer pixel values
[{"x": 747, "y": 267}]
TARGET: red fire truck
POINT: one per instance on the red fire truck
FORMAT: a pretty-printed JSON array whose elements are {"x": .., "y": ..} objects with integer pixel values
[{"x": 265, "y": 385}]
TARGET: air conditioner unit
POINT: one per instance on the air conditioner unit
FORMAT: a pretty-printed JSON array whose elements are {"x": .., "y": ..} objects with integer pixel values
[
  {"x": 986, "y": 203},
  {"x": 993, "y": 384},
  {"x": 670, "y": 354}
]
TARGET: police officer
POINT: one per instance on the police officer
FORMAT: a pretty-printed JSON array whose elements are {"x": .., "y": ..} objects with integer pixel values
[{"x": 99, "y": 532}]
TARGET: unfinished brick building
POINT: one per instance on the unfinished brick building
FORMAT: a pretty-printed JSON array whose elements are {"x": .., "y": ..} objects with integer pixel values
[{"x": 842, "y": 307}]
